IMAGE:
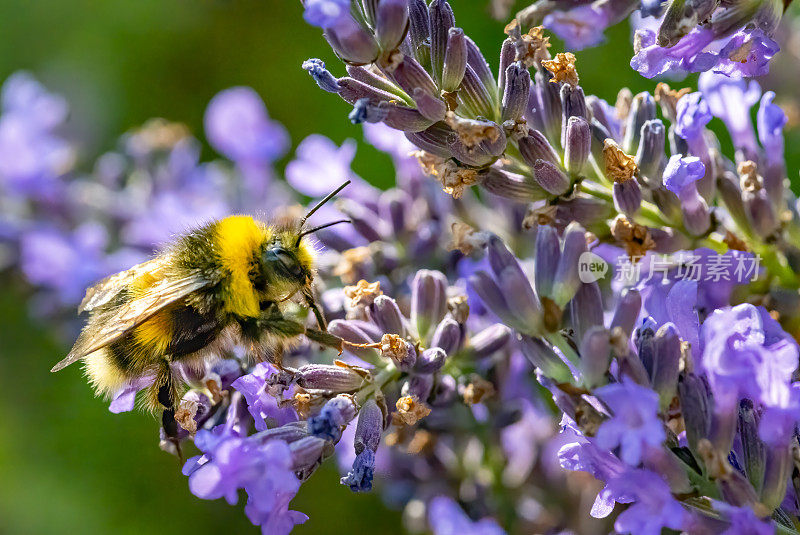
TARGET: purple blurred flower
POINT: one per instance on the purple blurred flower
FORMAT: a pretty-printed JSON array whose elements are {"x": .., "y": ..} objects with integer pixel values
[
  {"x": 238, "y": 126},
  {"x": 580, "y": 27},
  {"x": 66, "y": 263},
  {"x": 32, "y": 156},
  {"x": 652, "y": 505},
  {"x": 730, "y": 99},
  {"x": 261, "y": 395},
  {"x": 264, "y": 471},
  {"x": 748, "y": 53},
  {"x": 692, "y": 115},
  {"x": 326, "y": 13},
  {"x": 771, "y": 120},
  {"x": 746, "y": 353},
  {"x": 602, "y": 465},
  {"x": 445, "y": 517},
  {"x": 687, "y": 56},
  {"x": 681, "y": 173},
  {"x": 743, "y": 520},
  {"x": 320, "y": 166},
  {"x": 634, "y": 424}
]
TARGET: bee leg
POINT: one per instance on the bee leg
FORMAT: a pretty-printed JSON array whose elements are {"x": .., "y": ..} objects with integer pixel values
[
  {"x": 166, "y": 397},
  {"x": 312, "y": 304}
]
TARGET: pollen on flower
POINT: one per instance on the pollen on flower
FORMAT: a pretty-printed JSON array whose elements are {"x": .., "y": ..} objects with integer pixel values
[
  {"x": 350, "y": 263},
  {"x": 477, "y": 390},
  {"x": 185, "y": 415},
  {"x": 668, "y": 98},
  {"x": 302, "y": 404},
  {"x": 393, "y": 347},
  {"x": 563, "y": 68},
  {"x": 458, "y": 306},
  {"x": 362, "y": 293},
  {"x": 749, "y": 178},
  {"x": 544, "y": 215},
  {"x": 531, "y": 47},
  {"x": 620, "y": 167},
  {"x": 409, "y": 411},
  {"x": 635, "y": 237},
  {"x": 472, "y": 132},
  {"x": 465, "y": 238},
  {"x": 453, "y": 177}
]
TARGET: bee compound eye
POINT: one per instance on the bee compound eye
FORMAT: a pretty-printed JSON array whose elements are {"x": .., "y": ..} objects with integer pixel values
[{"x": 288, "y": 261}]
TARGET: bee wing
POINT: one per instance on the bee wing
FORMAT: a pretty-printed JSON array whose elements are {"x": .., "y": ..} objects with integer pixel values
[
  {"x": 131, "y": 314},
  {"x": 105, "y": 290}
]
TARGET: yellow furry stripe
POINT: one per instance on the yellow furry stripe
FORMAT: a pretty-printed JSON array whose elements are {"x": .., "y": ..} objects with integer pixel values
[
  {"x": 237, "y": 238},
  {"x": 155, "y": 334}
]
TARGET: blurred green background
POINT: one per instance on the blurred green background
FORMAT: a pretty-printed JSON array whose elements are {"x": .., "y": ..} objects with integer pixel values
[{"x": 66, "y": 463}]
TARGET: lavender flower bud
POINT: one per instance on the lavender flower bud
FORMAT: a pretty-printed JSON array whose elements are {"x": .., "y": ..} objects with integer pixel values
[
  {"x": 573, "y": 104},
  {"x": 599, "y": 135},
  {"x": 412, "y": 77},
  {"x": 777, "y": 470},
  {"x": 306, "y": 452},
  {"x": 288, "y": 433},
  {"x": 627, "y": 310},
  {"x": 535, "y": 146},
  {"x": 627, "y": 196},
  {"x": 752, "y": 447},
  {"x": 455, "y": 60},
  {"x": 447, "y": 336},
  {"x": 475, "y": 94},
  {"x": 650, "y": 154},
  {"x": 586, "y": 309},
  {"x": 550, "y": 101},
  {"x": 418, "y": 31},
  {"x": 516, "y": 92},
  {"x": 369, "y": 428},
  {"x": 763, "y": 219},
  {"x": 511, "y": 186},
  {"x": 667, "y": 202},
  {"x": 329, "y": 378},
  {"x": 387, "y": 316},
  {"x": 406, "y": 119},
  {"x": 354, "y": 332},
  {"x": 325, "y": 80},
  {"x": 391, "y": 23},
  {"x": 445, "y": 391},
  {"x": 550, "y": 177},
  {"x": 544, "y": 358},
  {"x": 567, "y": 281},
  {"x": 418, "y": 386},
  {"x": 335, "y": 414},
  {"x": 694, "y": 395},
  {"x": 508, "y": 52},
  {"x": 578, "y": 144},
  {"x": 428, "y": 301},
  {"x": 490, "y": 340},
  {"x": 666, "y": 363},
  {"x": 431, "y": 360},
  {"x": 731, "y": 195},
  {"x": 478, "y": 63},
  {"x": 441, "y": 19},
  {"x": 548, "y": 252},
  {"x": 352, "y": 42},
  {"x": 736, "y": 490},
  {"x": 595, "y": 351},
  {"x": 643, "y": 109},
  {"x": 367, "y": 439}
]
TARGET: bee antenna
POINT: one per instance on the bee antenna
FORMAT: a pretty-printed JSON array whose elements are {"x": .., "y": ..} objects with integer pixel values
[
  {"x": 312, "y": 230},
  {"x": 319, "y": 205}
]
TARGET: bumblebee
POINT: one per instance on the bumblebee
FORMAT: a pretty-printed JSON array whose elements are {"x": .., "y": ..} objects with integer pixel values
[{"x": 225, "y": 282}]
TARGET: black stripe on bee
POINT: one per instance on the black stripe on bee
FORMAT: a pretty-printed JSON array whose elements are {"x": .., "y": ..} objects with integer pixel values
[{"x": 191, "y": 331}]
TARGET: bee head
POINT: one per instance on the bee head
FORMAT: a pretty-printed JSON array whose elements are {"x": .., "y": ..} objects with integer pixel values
[{"x": 289, "y": 260}]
